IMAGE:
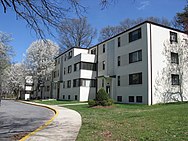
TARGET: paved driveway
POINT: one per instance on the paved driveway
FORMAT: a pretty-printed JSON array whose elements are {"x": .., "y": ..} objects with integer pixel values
[{"x": 17, "y": 119}]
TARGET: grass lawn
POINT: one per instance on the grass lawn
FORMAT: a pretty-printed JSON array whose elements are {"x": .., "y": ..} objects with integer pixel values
[
  {"x": 134, "y": 123},
  {"x": 54, "y": 102}
]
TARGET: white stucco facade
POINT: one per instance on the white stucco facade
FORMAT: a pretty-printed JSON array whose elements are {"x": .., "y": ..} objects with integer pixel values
[{"x": 137, "y": 66}]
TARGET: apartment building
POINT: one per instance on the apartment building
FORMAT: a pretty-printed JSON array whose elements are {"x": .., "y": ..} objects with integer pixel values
[{"x": 140, "y": 65}]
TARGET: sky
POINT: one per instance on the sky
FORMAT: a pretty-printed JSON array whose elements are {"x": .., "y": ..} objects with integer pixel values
[{"x": 98, "y": 18}]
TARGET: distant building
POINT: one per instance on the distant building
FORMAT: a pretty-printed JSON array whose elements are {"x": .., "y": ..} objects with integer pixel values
[
  {"x": 27, "y": 93},
  {"x": 127, "y": 66}
]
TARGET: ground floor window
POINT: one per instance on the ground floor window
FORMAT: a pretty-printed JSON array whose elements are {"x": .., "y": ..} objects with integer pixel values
[
  {"x": 139, "y": 99},
  {"x": 63, "y": 96},
  {"x": 175, "y": 79},
  {"x": 76, "y": 97},
  {"x": 131, "y": 98},
  {"x": 68, "y": 97},
  {"x": 119, "y": 98}
]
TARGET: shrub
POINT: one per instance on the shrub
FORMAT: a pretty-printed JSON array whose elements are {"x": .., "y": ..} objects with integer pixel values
[
  {"x": 92, "y": 103},
  {"x": 102, "y": 99},
  {"x": 102, "y": 95}
]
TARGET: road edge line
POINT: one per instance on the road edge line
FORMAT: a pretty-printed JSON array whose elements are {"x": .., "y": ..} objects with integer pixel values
[{"x": 42, "y": 126}]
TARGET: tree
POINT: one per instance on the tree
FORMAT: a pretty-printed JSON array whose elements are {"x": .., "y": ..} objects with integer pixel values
[
  {"x": 110, "y": 31},
  {"x": 39, "y": 61},
  {"x": 14, "y": 79},
  {"x": 45, "y": 13},
  {"x": 76, "y": 33},
  {"x": 6, "y": 53},
  {"x": 170, "y": 89},
  {"x": 181, "y": 19}
]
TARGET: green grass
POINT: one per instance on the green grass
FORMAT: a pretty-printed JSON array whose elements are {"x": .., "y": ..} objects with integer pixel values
[
  {"x": 54, "y": 102},
  {"x": 134, "y": 122}
]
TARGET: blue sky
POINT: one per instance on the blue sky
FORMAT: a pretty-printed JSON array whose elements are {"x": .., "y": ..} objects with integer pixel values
[{"x": 112, "y": 15}]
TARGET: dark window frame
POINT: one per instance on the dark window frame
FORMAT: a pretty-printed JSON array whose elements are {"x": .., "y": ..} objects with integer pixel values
[
  {"x": 103, "y": 65},
  {"x": 70, "y": 69},
  {"x": 103, "y": 48},
  {"x": 119, "y": 61},
  {"x": 138, "y": 54},
  {"x": 118, "y": 81},
  {"x": 135, "y": 35},
  {"x": 119, "y": 98},
  {"x": 131, "y": 99},
  {"x": 119, "y": 41},
  {"x": 68, "y": 83},
  {"x": 133, "y": 81},
  {"x": 173, "y": 37},
  {"x": 174, "y": 58},
  {"x": 175, "y": 79},
  {"x": 139, "y": 99}
]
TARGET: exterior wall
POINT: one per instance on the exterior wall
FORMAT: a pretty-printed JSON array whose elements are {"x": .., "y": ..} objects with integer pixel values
[{"x": 161, "y": 75}]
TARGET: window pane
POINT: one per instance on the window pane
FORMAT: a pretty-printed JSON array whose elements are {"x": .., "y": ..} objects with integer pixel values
[{"x": 131, "y": 98}]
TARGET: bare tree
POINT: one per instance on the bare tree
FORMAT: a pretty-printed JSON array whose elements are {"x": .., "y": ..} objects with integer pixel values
[
  {"x": 76, "y": 33},
  {"x": 110, "y": 31},
  {"x": 170, "y": 89}
]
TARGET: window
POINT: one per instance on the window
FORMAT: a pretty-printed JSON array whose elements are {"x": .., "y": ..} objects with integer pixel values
[
  {"x": 175, "y": 79},
  {"x": 131, "y": 98},
  {"x": 55, "y": 62},
  {"x": 139, "y": 99},
  {"x": 76, "y": 97},
  {"x": 76, "y": 82},
  {"x": 69, "y": 69},
  {"x": 103, "y": 65},
  {"x": 174, "y": 58},
  {"x": 103, "y": 48},
  {"x": 119, "y": 41},
  {"x": 118, "y": 82},
  {"x": 68, "y": 97},
  {"x": 135, "y": 78},
  {"x": 88, "y": 82},
  {"x": 65, "y": 58},
  {"x": 48, "y": 88},
  {"x": 64, "y": 70},
  {"x": 135, "y": 35},
  {"x": 70, "y": 55},
  {"x": 63, "y": 96},
  {"x": 135, "y": 56},
  {"x": 119, "y": 98},
  {"x": 63, "y": 84},
  {"x": 54, "y": 74},
  {"x": 88, "y": 66},
  {"x": 173, "y": 37},
  {"x": 76, "y": 66},
  {"x": 102, "y": 82},
  {"x": 69, "y": 84},
  {"x": 58, "y": 73},
  {"x": 93, "y": 51},
  {"x": 118, "y": 60}
]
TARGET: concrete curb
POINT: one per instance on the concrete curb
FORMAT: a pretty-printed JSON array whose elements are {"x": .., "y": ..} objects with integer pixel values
[{"x": 45, "y": 124}]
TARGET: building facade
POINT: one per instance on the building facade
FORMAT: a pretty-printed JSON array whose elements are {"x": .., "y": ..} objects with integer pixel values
[{"x": 141, "y": 65}]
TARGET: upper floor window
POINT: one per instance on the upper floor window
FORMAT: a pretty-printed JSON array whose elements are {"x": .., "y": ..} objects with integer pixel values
[
  {"x": 174, "y": 58},
  {"x": 76, "y": 82},
  {"x": 103, "y": 65},
  {"x": 69, "y": 69},
  {"x": 70, "y": 55},
  {"x": 55, "y": 62},
  {"x": 135, "y": 35},
  {"x": 103, "y": 48},
  {"x": 54, "y": 74},
  {"x": 118, "y": 61},
  {"x": 118, "y": 82},
  {"x": 119, "y": 41},
  {"x": 65, "y": 58},
  {"x": 63, "y": 84},
  {"x": 175, "y": 79},
  {"x": 76, "y": 66},
  {"x": 88, "y": 66},
  {"x": 135, "y": 56},
  {"x": 93, "y": 51},
  {"x": 47, "y": 88},
  {"x": 102, "y": 82},
  {"x": 173, "y": 37},
  {"x": 135, "y": 78},
  {"x": 69, "y": 84},
  {"x": 64, "y": 70}
]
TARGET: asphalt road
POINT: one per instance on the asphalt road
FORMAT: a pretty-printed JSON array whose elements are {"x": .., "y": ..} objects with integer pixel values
[{"x": 17, "y": 118}]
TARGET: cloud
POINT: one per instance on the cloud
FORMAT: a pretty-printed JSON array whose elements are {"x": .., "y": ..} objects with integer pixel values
[{"x": 143, "y": 4}]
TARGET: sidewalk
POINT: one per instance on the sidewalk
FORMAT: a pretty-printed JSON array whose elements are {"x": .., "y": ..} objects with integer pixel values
[{"x": 64, "y": 127}]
